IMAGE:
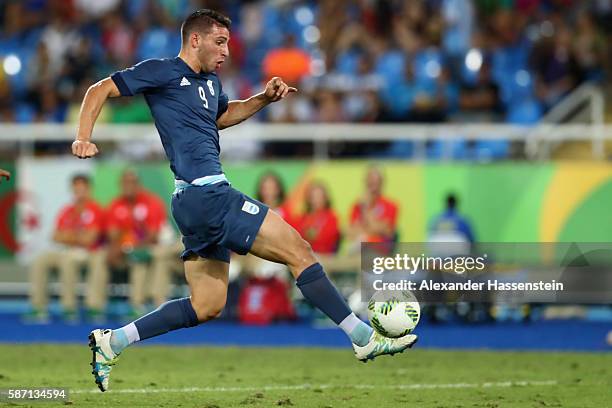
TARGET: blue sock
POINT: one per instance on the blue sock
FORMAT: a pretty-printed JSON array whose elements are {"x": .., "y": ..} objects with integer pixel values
[
  {"x": 172, "y": 315},
  {"x": 318, "y": 290}
]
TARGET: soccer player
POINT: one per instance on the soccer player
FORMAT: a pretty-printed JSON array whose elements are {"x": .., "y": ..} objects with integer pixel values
[{"x": 189, "y": 107}]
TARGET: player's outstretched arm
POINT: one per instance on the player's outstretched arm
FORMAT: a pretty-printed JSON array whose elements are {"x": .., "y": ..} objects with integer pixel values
[
  {"x": 96, "y": 96},
  {"x": 4, "y": 174},
  {"x": 238, "y": 111}
]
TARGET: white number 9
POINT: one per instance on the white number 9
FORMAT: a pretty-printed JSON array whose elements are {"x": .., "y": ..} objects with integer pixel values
[{"x": 203, "y": 96}]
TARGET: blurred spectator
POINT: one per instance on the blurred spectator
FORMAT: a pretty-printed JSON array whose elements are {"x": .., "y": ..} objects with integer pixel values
[
  {"x": 329, "y": 107},
  {"x": 358, "y": 61},
  {"x": 293, "y": 110},
  {"x": 271, "y": 192},
  {"x": 482, "y": 96},
  {"x": 39, "y": 70},
  {"x": 451, "y": 234},
  {"x": 288, "y": 62},
  {"x": 319, "y": 223},
  {"x": 450, "y": 226},
  {"x": 118, "y": 39},
  {"x": 135, "y": 220},
  {"x": 459, "y": 22},
  {"x": 95, "y": 8},
  {"x": 59, "y": 38},
  {"x": 589, "y": 46},
  {"x": 159, "y": 37},
  {"x": 79, "y": 230},
  {"x": 373, "y": 216},
  {"x": 51, "y": 108},
  {"x": 7, "y": 114},
  {"x": 556, "y": 67},
  {"x": 264, "y": 300}
]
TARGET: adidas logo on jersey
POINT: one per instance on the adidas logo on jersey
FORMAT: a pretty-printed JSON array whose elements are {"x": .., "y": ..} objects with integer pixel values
[{"x": 185, "y": 82}]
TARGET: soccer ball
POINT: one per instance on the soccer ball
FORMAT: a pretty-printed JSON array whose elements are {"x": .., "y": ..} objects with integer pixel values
[{"x": 394, "y": 314}]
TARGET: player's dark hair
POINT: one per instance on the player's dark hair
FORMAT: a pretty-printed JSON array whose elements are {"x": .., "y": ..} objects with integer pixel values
[
  {"x": 81, "y": 177},
  {"x": 318, "y": 184},
  {"x": 279, "y": 183},
  {"x": 202, "y": 21},
  {"x": 451, "y": 201}
]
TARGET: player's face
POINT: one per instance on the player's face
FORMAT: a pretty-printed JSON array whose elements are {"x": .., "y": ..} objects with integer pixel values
[
  {"x": 80, "y": 190},
  {"x": 213, "y": 48}
]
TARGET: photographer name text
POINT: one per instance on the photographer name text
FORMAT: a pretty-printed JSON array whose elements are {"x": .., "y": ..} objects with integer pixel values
[{"x": 468, "y": 285}]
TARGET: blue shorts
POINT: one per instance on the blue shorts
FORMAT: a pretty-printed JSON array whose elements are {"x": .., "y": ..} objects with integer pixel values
[{"x": 215, "y": 219}]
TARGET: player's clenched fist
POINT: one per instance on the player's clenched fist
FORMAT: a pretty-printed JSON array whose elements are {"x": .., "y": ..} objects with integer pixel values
[
  {"x": 4, "y": 174},
  {"x": 277, "y": 89},
  {"x": 83, "y": 149}
]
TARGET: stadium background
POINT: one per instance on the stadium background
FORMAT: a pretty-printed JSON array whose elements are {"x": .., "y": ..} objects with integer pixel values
[
  {"x": 455, "y": 62},
  {"x": 508, "y": 202}
]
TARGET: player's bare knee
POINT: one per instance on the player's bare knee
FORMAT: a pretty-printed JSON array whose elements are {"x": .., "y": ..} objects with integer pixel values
[
  {"x": 303, "y": 257},
  {"x": 208, "y": 309}
]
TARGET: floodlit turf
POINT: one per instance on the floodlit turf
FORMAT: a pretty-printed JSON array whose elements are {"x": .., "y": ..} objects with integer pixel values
[{"x": 208, "y": 377}]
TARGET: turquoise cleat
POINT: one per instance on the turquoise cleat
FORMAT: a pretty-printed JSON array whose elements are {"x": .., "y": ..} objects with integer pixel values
[
  {"x": 103, "y": 357},
  {"x": 380, "y": 345}
]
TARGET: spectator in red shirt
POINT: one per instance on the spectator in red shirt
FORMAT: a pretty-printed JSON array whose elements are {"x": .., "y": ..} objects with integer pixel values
[
  {"x": 271, "y": 192},
  {"x": 79, "y": 229},
  {"x": 373, "y": 217},
  {"x": 319, "y": 224},
  {"x": 135, "y": 219}
]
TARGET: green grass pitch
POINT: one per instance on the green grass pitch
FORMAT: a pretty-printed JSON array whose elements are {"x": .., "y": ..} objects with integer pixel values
[{"x": 208, "y": 377}]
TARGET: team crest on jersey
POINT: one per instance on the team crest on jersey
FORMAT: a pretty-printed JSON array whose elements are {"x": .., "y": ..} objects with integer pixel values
[
  {"x": 140, "y": 212},
  {"x": 250, "y": 208},
  {"x": 87, "y": 216},
  {"x": 210, "y": 87}
]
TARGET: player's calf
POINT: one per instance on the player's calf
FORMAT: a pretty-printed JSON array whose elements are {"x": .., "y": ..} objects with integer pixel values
[
  {"x": 277, "y": 241},
  {"x": 172, "y": 315},
  {"x": 208, "y": 309}
]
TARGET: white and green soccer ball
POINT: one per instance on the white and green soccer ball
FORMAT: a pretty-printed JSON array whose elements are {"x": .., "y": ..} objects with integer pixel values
[{"x": 394, "y": 314}]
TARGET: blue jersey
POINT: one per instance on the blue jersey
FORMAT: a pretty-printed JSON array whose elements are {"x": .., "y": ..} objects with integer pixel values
[{"x": 185, "y": 106}]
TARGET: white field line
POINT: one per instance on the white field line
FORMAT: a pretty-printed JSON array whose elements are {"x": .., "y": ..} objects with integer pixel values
[{"x": 500, "y": 384}]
